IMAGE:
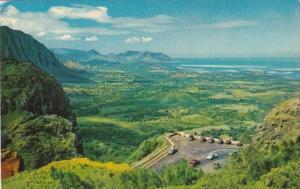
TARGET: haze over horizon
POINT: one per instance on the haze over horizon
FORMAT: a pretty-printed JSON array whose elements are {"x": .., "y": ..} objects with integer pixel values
[{"x": 207, "y": 28}]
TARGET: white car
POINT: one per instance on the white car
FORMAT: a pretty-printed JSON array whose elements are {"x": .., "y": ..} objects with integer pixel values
[
  {"x": 172, "y": 151},
  {"x": 212, "y": 156}
]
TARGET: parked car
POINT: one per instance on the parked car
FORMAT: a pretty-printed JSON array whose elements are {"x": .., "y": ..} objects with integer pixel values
[
  {"x": 172, "y": 151},
  {"x": 191, "y": 138},
  {"x": 220, "y": 141},
  {"x": 227, "y": 141},
  {"x": 211, "y": 140},
  {"x": 211, "y": 156},
  {"x": 194, "y": 162},
  {"x": 202, "y": 139}
]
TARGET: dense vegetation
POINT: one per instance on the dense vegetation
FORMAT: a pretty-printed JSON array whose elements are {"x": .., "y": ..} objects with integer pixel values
[
  {"x": 83, "y": 173},
  {"x": 26, "y": 87},
  {"x": 146, "y": 147},
  {"x": 74, "y": 173},
  {"x": 35, "y": 123},
  {"x": 39, "y": 139}
]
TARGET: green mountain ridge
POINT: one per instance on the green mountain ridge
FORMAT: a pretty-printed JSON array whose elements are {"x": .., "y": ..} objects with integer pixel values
[{"x": 18, "y": 45}]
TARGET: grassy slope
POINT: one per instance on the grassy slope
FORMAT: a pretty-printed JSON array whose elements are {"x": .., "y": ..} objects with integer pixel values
[{"x": 82, "y": 167}]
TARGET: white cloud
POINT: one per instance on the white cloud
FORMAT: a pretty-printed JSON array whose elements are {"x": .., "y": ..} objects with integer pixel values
[
  {"x": 67, "y": 37},
  {"x": 132, "y": 40},
  {"x": 52, "y": 25},
  {"x": 146, "y": 39},
  {"x": 231, "y": 24},
  {"x": 45, "y": 25},
  {"x": 152, "y": 24},
  {"x": 37, "y": 24},
  {"x": 136, "y": 39},
  {"x": 98, "y": 14},
  {"x": 91, "y": 38}
]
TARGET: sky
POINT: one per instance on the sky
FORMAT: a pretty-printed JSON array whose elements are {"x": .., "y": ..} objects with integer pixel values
[{"x": 178, "y": 28}]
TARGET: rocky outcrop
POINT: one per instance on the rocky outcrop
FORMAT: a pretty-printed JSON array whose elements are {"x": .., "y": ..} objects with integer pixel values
[
  {"x": 40, "y": 140},
  {"x": 10, "y": 163},
  {"x": 36, "y": 121},
  {"x": 282, "y": 123}
]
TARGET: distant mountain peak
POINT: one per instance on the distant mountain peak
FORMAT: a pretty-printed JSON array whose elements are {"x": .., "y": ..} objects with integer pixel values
[
  {"x": 93, "y": 52},
  {"x": 146, "y": 56}
]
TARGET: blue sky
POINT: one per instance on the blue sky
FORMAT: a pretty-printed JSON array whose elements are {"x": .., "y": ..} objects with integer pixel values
[{"x": 185, "y": 28}]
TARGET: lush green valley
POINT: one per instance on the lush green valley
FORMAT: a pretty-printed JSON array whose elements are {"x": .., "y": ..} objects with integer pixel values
[{"x": 144, "y": 100}]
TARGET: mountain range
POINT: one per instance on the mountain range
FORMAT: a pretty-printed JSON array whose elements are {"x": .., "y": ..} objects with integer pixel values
[
  {"x": 64, "y": 64},
  {"x": 86, "y": 57}
]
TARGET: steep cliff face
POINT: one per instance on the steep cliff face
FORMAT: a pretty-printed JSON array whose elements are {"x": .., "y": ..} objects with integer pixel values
[
  {"x": 36, "y": 121},
  {"x": 282, "y": 123},
  {"x": 25, "y": 87},
  {"x": 10, "y": 163}
]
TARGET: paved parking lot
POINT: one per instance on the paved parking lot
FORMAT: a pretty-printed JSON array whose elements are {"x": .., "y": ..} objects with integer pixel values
[{"x": 197, "y": 150}]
